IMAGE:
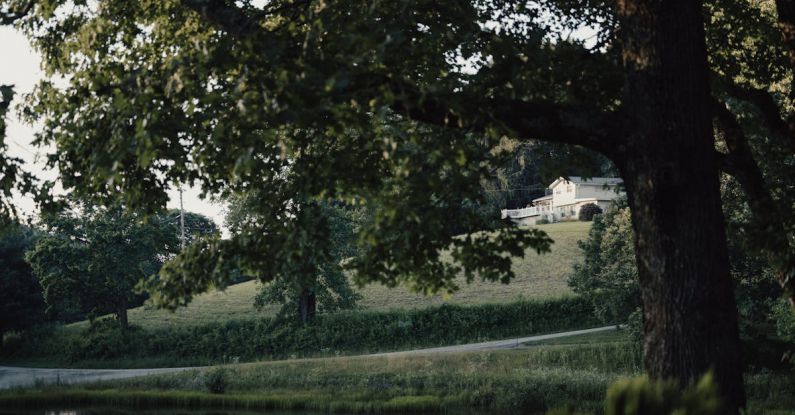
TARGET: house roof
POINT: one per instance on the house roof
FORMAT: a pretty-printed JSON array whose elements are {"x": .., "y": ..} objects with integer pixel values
[
  {"x": 594, "y": 181},
  {"x": 543, "y": 198}
]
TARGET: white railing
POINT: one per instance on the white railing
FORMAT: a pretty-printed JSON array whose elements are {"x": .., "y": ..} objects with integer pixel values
[{"x": 520, "y": 213}]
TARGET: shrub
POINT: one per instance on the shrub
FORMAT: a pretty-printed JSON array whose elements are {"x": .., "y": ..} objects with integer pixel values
[
  {"x": 785, "y": 325},
  {"x": 216, "y": 380},
  {"x": 640, "y": 396},
  {"x": 608, "y": 274},
  {"x": 105, "y": 339},
  {"x": 785, "y": 320},
  {"x": 348, "y": 331},
  {"x": 588, "y": 211},
  {"x": 543, "y": 221}
]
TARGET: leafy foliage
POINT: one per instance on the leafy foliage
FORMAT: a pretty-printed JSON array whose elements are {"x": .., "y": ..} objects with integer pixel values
[
  {"x": 608, "y": 275},
  {"x": 785, "y": 321},
  {"x": 216, "y": 380},
  {"x": 588, "y": 211},
  {"x": 400, "y": 105},
  {"x": 755, "y": 286},
  {"x": 752, "y": 74},
  {"x": 21, "y": 302},
  {"x": 194, "y": 121},
  {"x": 12, "y": 176},
  {"x": 341, "y": 332},
  {"x": 94, "y": 257},
  {"x": 196, "y": 225},
  {"x": 326, "y": 283},
  {"x": 642, "y": 396}
]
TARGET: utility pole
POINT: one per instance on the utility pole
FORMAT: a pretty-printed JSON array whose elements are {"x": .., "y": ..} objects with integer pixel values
[{"x": 181, "y": 221}]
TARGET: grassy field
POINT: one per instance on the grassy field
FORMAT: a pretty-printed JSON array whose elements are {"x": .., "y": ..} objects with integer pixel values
[
  {"x": 611, "y": 336},
  {"x": 530, "y": 380},
  {"x": 526, "y": 381},
  {"x": 538, "y": 277}
]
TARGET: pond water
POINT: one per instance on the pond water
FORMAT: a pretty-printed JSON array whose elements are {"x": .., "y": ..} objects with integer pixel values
[
  {"x": 112, "y": 411},
  {"x": 171, "y": 411}
]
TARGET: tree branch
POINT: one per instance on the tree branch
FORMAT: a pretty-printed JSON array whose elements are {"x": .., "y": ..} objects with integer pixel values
[
  {"x": 582, "y": 126},
  {"x": 233, "y": 19},
  {"x": 529, "y": 120},
  {"x": 11, "y": 16},
  {"x": 768, "y": 108},
  {"x": 786, "y": 23},
  {"x": 765, "y": 212}
]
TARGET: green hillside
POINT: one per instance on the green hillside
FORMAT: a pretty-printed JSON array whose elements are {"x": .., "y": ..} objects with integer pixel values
[{"x": 538, "y": 277}]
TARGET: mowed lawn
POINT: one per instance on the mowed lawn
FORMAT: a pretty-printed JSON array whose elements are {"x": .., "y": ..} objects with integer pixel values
[{"x": 537, "y": 277}]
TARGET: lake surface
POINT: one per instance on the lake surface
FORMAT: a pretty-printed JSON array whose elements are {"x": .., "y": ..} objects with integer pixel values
[{"x": 111, "y": 411}]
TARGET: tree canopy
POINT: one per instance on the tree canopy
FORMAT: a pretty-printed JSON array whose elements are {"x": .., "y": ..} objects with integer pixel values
[
  {"x": 325, "y": 287},
  {"x": 93, "y": 257},
  {"x": 246, "y": 89}
]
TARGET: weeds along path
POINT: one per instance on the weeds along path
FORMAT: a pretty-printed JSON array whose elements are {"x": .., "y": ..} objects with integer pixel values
[{"x": 13, "y": 377}]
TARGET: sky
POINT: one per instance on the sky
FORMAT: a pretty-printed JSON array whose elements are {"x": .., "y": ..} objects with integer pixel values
[{"x": 20, "y": 67}]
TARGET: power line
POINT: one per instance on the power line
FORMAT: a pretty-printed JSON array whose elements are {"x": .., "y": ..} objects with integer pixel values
[
  {"x": 21, "y": 146},
  {"x": 181, "y": 221}
]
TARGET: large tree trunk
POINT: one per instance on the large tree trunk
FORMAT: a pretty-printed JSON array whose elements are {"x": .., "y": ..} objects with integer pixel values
[
  {"x": 672, "y": 184},
  {"x": 307, "y": 306}
]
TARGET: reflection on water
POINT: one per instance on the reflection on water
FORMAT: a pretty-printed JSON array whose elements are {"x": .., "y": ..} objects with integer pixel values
[
  {"x": 115, "y": 411},
  {"x": 111, "y": 411}
]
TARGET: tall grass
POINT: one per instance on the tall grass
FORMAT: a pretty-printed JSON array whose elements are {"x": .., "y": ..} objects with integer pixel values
[
  {"x": 330, "y": 335},
  {"x": 323, "y": 402},
  {"x": 530, "y": 380}
]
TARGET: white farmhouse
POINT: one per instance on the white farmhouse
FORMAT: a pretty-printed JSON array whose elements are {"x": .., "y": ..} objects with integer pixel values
[{"x": 566, "y": 198}]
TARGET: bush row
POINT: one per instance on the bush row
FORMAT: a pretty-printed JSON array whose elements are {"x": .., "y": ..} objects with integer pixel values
[{"x": 338, "y": 333}]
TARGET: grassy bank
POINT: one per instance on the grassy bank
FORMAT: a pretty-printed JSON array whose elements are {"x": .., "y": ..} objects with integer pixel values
[
  {"x": 284, "y": 400},
  {"x": 530, "y": 380},
  {"x": 516, "y": 381},
  {"x": 221, "y": 327},
  {"x": 538, "y": 277},
  {"x": 354, "y": 332}
]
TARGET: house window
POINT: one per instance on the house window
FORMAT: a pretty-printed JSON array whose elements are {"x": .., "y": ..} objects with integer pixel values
[{"x": 568, "y": 188}]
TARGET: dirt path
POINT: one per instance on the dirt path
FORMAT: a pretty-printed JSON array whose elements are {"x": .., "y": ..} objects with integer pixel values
[
  {"x": 24, "y": 376},
  {"x": 494, "y": 345}
]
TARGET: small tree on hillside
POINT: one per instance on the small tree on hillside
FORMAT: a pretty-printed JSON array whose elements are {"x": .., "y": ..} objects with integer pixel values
[
  {"x": 196, "y": 225},
  {"x": 96, "y": 256},
  {"x": 315, "y": 281},
  {"x": 588, "y": 211},
  {"x": 21, "y": 301},
  {"x": 608, "y": 274}
]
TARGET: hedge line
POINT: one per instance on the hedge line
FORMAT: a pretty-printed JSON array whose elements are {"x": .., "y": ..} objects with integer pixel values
[{"x": 338, "y": 333}]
